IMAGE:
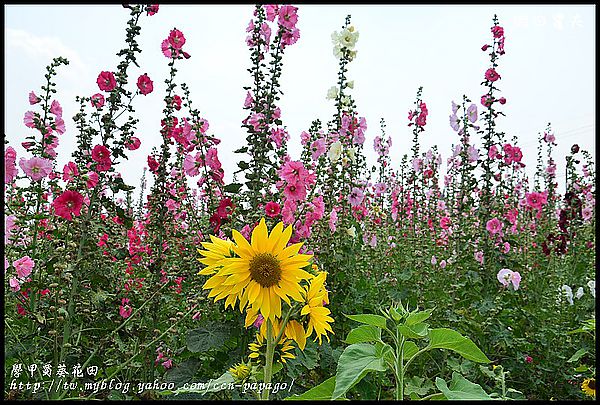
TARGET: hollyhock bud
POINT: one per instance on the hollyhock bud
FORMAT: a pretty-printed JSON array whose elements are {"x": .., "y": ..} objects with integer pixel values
[
  {"x": 485, "y": 47},
  {"x": 502, "y": 100}
]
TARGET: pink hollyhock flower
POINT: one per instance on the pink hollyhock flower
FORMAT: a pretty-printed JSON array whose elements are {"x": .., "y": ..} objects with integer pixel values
[
  {"x": 225, "y": 208},
  {"x": 445, "y": 222},
  {"x": 56, "y": 109},
  {"x": 317, "y": 148},
  {"x": 134, "y": 143},
  {"x": 271, "y": 11},
  {"x": 177, "y": 102},
  {"x": 288, "y": 210},
  {"x": 265, "y": 32},
  {"x": 493, "y": 152},
  {"x": 356, "y": 197},
  {"x": 6, "y": 265},
  {"x": 14, "y": 284},
  {"x": 272, "y": 209},
  {"x": 491, "y": 75},
  {"x": 36, "y": 168},
  {"x": 549, "y": 138},
  {"x": 24, "y": 266},
  {"x": 494, "y": 226},
  {"x": 304, "y": 137},
  {"x": 472, "y": 113},
  {"x": 97, "y": 100},
  {"x": 172, "y": 205},
  {"x": 191, "y": 164},
  {"x": 91, "y": 179},
  {"x": 433, "y": 260},
  {"x": 507, "y": 276},
  {"x": 293, "y": 172},
  {"x": 587, "y": 213},
  {"x": 168, "y": 364},
  {"x": 69, "y": 203},
  {"x": 28, "y": 119},
  {"x": 443, "y": 264},
  {"x": 536, "y": 200},
  {"x": 176, "y": 39},
  {"x": 479, "y": 257},
  {"x": 278, "y": 135},
  {"x": 295, "y": 192},
  {"x": 10, "y": 167},
  {"x": 333, "y": 220},
  {"x": 249, "y": 100},
  {"x": 101, "y": 155},
  {"x": 421, "y": 120},
  {"x": 33, "y": 99},
  {"x": 212, "y": 160},
  {"x": 259, "y": 321},
  {"x": 152, "y": 9},
  {"x": 166, "y": 49},
  {"x": 506, "y": 247},
  {"x": 454, "y": 122},
  {"x": 288, "y": 16},
  {"x": 487, "y": 100},
  {"x": 497, "y": 31},
  {"x": 106, "y": 81},
  {"x": 70, "y": 171},
  {"x": 144, "y": 84},
  {"x": 380, "y": 189},
  {"x": 124, "y": 309},
  {"x": 255, "y": 120},
  {"x": 290, "y": 37},
  {"x": 60, "y": 125}
]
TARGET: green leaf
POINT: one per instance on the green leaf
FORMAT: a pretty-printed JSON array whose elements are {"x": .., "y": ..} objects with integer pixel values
[
  {"x": 183, "y": 373},
  {"x": 418, "y": 317},
  {"x": 364, "y": 333},
  {"x": 243, "y": 165},
  {"x": 418, "y": 331},
  {"x": 354, "y": 363},
  {"x": 443, "y": 338},
  {"x": 232, "y": 188},
  {"x": 369, "y": 319},
  {"x": 277, "y": 367},
  {"x": 211, "y": 336},
  {"x": 409, "y": 350},
  {"x": 461, "y": 388},
  {"x": 578, "y": 354},
  {"x": 418, "y": 385},
  {"x": 322, "y": 391}
]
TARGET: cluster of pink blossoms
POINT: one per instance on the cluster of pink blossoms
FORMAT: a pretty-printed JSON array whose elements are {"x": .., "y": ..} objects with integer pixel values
[
  {"x": 287, "y": 18},
  {"x": 172, "y": 46}
]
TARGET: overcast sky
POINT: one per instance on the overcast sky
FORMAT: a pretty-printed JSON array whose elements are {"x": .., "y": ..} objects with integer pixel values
[{"x": 548, "y": 71}]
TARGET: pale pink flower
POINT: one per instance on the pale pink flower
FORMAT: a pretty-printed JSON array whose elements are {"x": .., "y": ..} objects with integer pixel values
[
  {"x": 24, "y": 266},
  {"x": 317, "y": 148},
  {"x": 10, "y": 167},
  {"x": 356, "y": 197},
  {"x": 479, "y": 257},
  {"x": 288, "y": 16},
  {"x": 28, "y": 119},
  {"x": 443, "y": 264},
  {"x": 494, "y": 226},
  {"x": 333, "y": 220},
  {"x": 14, "y": 284},
  {"x": 36, "y": 168},
  {"x": 33, "y": 99},
  {"x": 56, "y": 109},
  {"x": 587, "y": 213},
  {"x": 433, "y": 260}
]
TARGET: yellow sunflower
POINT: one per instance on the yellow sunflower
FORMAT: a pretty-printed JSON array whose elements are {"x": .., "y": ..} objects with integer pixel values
[
  {"x": 282, "y": 352},
  {"x": 214, "y": 256},
  {"x": 265, "y": 272},
  {"x": 240, "y": 372},
  {"x": 588, "y": 386},
  {"x": 318, "y": 316}
]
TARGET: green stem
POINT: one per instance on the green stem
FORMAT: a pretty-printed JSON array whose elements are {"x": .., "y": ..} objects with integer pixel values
[{"x": 268, "y": 373}]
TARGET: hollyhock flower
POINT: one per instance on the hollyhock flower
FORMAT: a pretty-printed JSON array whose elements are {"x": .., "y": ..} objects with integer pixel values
[
  {"x": 502, "y": 100},
  {"x": 380, "y": 189},
  {"x": 472, "y": 154},
  {"x": 494, "y": 226},
  {"x": 259, "y": 321},
  {"x": 97, "y": 100},
  {"x": 67, "y": 204},
  {"x": 106, "y": 81},
  {"x": 318, "y": 147},
  {"x": 507, "y": 276},
  {"x": 56, "y": 109},
  {"x": 33, "y": 99},
  {"x": 332, "y": 220},
  {"x": 579, "y": 293},
  {"x": 295, "y": 192},
  {"x": 528, "y": 359},
  {"x": 278, "y": 136},
  {"x": 212, "y": 159},
  {"x": 176, "y": 39},
  {"x": 249, "y": 100},
  {"x": 101, "y": 155},
  {"x": 551, "y": 169},
  {"x": 356, "y": 197},
  {"x": 145, "y": 84},
  {"x": 351, "y": 231},
  {"x": 290, "y": 37},
  {"x": 124, "y": 309},
  {"x": 36, "y": 168},
  {"x": 293, "y": 172},
  {"x": 10, "y": 167},
  {"x": 493, "y": 152},
  {"x": 506, "y": 247},
  {"x": 133, "y": 144},
  {"x": 549, "y": 137},
  {"x": 28, "y": 119},
  {"x": 536, "y": 200},
  {"x": 592, "y": 286},
  {"x": 444, "y": 222},
  {"x": 335, "y": 151},
  {"x": 60, "y": 126},
  {"x": 421, "y": 120},
  {"x": 433, "y": 260},
  {"x": 586, "y": 213},
  {"x": 288, "y": 16},
  {"x": 416, "y": 164},
  {"x": 172, "y": 205},
  {"x": 24, "y": 266},
  {"x": 487, "y": 100},
  {"x": 332, "y": 93},
  {"x": 152, "y": 9},
  {"x": 225, "y": 208},
  {"x": 567, "y": 292},
  {"x": 91, "y": 179},
  {"x": 272, "y": 209},
  {"x": 177, "y": 102},
  {"x": 443, "y": 264},
  {"x": 14, "y": 284},
  {"x": 479, "y": 257},
  {"x": 497, "y": 31},
  {"x": 575, "y": 148},
  {"x": 192, "y": 164},
  {"x": 455, "y": 107},
  {"x": 287, "y": 212},
  {"x": 70, "y": 171},
  {"x": 491, "y": 75},
  {"x": 472, "y": 113},
  {"x": 454, "y": 122},
  {"x": 271, "y": 11}
]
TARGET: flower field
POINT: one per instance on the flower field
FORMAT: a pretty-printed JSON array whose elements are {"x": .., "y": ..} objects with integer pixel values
[{"x": 437, "y": 274}]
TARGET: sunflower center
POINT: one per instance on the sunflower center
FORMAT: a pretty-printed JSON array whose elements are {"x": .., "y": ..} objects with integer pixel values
[
  {"x": 265, "y": 269},
  {"x": 592, "y": 384}
]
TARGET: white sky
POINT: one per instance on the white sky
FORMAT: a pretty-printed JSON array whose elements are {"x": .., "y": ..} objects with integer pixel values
[{"x": 548, "y": 71}]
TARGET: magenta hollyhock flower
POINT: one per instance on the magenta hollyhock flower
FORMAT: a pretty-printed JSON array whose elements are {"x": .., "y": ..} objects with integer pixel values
[
  {"x": 14, "y": 284},
  {"x": 152, "y": 9},
  {"x": 144, "y": 84},
  {"x": 491, "y": 75},
  {"x": 259, "y": 321},
  {"x": 28, "y": 119},
  {"x": 134, "y": 143},
  {"x": 317, "y": 148},
  {"x": 36, "y": 168},
  {"x": 101, "y": 155},
  {"x": 272, "y": 209},
  {"x": 494, "y": 226},
  {"x": 549, "y": 137},
  {"x": 293, "y": 172},
  {"x": 225, "y": 208},
  {"x": 10, "y": 167},
  {"x": 70, "y": 171},
  {"x": 24, "y": 266},
  {"x": 497, "y": 31},
  {"x": 91, "y": 179},
  {"x": 152, "y": 163},
  {"x": 535, "y": 200},
  {"x": 97, "y": 100},
  {"x": 176, "y": 39},
  {"x": 288, "y": 16},
  {"x": 212, "y": 160},
  {"x": 356, "y": 197},
  {"x": 56, "y": 109},
  {"x": 177, "y": 102},
  {"x": 528, "y": 359},
  {"x": 295, "y": 192},
  {"x": 421, "y": 120},
  {"x": 33, "y": 99},
  {"x": 487, "y": 100},
  {"x": 69, "y": 203},
  {"x": 493, "y": 152},
  {"x": 271, "y": 11},
  {"x": 444, "y": 222},
  {"x": 166, "y": 49},
  {"x": 106, "y": 81},
  {"x": 124, "y": 309}
]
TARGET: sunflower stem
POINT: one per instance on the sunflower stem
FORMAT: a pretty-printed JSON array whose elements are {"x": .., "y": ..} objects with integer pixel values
[{"x": 268, "y": 373}]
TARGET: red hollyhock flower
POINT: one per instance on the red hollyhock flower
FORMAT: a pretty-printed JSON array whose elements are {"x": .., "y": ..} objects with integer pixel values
[
  {"x": 106, "y": 81},
  {"x": 69, "y": 203},
  {"x": 101, "y": 155},
  {"x": 145, "y": 84},
  {"x": 225, "y": 208},
  {"x": 272, "y": 209}
]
